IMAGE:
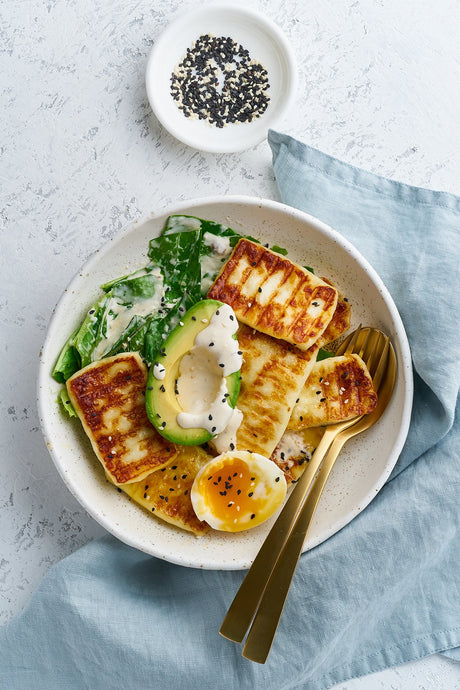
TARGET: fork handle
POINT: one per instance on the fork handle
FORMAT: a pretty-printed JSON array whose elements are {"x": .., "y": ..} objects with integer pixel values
[
  {"x": 266, "y": 620},
  {"x": 241, "y": 612}
]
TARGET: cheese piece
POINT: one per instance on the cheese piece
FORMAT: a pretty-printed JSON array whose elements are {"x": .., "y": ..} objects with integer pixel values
[
  {"x": 294, "y": 451},
  {"x": 109, "y": 398},
  {"x": 165, "y": 493},
  {"x": 340, "y": 321},
  {"x": 338, "y": 389},
  {"x": 269, "y": 292},
  {"x": 272, "y": 377}
]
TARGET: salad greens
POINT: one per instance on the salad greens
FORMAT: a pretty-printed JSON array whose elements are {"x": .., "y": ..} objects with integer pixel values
[
  {"x": 187, "y": 255},
  {"x": 137, "y": 311}
]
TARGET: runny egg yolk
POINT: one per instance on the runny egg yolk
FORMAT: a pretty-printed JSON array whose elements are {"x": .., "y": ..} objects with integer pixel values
[{"x": 237, "y": 491}]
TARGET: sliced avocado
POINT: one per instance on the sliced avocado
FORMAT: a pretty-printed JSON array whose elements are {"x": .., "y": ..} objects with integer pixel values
[{"x": 163, "y": 400}]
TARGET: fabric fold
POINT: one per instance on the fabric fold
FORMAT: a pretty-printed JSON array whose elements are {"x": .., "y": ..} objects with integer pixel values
[{"x": 382, "y": 591}]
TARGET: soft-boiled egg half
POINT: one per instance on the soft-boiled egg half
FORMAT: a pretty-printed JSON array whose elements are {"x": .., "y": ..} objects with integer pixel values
[{"x": 237, "y": 490}]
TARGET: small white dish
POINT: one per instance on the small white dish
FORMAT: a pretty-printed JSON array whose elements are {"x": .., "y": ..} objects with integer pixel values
[
  {"x": 365, "y": 462},
  {"x": 265, "y": 43}
]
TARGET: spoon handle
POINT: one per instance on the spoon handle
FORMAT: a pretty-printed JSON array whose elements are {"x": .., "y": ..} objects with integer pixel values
[{"x": 271, "y": 606}]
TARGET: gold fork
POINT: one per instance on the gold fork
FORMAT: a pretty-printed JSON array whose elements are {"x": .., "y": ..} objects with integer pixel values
[{"x": 267, "y": 581}]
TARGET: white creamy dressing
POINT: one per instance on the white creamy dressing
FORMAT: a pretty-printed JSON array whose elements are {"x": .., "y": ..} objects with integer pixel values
[
  {"x": 119, "y": 317},
  {"x": 181, "y": 223},
  {"x": 202, "y": 388},
  {"x": 291, "y": 444},
  {"x": 226, "y": 440},
  {"x": 159, "y": 371},
  {"x": 212, "y": 263},
  {"x": 218, "y": 243}
]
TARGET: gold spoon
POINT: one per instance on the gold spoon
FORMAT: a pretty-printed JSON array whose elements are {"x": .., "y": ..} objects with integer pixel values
[{"x": 267, "y": 581}]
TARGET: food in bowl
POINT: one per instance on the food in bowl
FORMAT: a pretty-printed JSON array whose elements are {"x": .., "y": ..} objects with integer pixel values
[{"x": 282, "y": 316}]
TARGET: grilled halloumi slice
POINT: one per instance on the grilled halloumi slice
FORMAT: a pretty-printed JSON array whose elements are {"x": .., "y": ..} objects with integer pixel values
[
  {"x": 166, "y": 492},
  {"x": 272, "y": 377},
  {"x": 338, "y": 388},
  {"x": 294, "y": 451},
  {"x": 340, "y": 321},
  {"x": 269, "y": 292},
  {"x": 109, "y": 398}
]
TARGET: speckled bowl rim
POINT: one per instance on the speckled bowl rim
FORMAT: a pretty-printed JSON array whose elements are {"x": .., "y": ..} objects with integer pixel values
[{"x": 208, "y": 559}]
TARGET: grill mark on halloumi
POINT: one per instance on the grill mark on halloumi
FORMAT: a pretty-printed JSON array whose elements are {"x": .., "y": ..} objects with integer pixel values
[
  {"x": 272, "y": 376},
  {"x": 269, "y": 292},
  {"x": 338, "y": 388},
  {"x": 165, "y": 493},
  {"x": 108, "y": 397}
]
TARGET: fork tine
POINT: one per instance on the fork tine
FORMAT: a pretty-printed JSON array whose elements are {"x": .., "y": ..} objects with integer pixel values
[
  {"x": 350, "y": 343},
  {"x": 366, "y": 344},
  {"x": 372, "y": 350},
  {"x": 382, "y": 365}
]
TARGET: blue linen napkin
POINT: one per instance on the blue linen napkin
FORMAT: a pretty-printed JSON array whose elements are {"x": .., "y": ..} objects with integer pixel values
[{"x": 382, "y": 591}]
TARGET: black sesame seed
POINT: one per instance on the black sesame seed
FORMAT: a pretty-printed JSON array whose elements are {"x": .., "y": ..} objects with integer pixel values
[{"x": 277, "y": 479}]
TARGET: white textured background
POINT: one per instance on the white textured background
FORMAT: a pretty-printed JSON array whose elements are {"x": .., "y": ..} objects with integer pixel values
[{"x": 82, "y": 155}]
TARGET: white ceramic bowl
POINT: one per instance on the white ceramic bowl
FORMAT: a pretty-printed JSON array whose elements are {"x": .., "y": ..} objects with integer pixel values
[
  {"x": 365, "y": 462},
  {"x": 266, "y": 44}
]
